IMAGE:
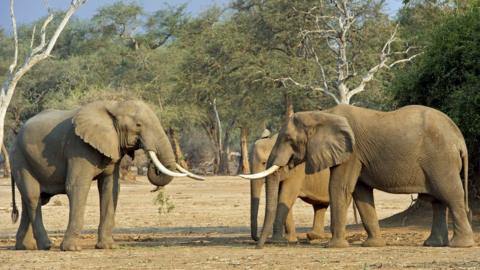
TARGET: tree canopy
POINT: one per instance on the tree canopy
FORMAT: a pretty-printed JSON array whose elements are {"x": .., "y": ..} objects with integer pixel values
[{"x": 212, "y": 75}]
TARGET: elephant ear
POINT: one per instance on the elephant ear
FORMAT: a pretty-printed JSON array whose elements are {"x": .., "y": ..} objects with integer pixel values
[
  {"x": 330, "y": 140},
  {"x": 94, "y": 124}
]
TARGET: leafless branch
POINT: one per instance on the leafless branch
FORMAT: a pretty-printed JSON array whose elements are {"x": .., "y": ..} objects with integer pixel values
[
  {"x": 15, "y": 40},
  {"x": 306, "y": 86},
  {"x": 336, "y": 29},
  {"x": 42, "y": 35},
  {"x": 385, "y": 56},
  {"x": 33, "y": 36},
  {"x": 404, "y": 60},
  {"x": 36, "y": 54}
]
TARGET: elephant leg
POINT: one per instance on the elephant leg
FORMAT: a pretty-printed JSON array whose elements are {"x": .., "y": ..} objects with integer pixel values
[
  {"x": 450, "y": 191},
  {"x": 289, "y": 191},
  {"x": 462, "y": 231},
  {"x": 439, "y": 233},
  {"x": 363, "y": 196},
  {"x": 32, "y": 212},
  {"x": 290, "y": 228},
  {"x": 342, "y": 182},
  {"x": 77, "y": 187},
  {"x": 108, "y": 188},
  {"x": 318, "y": 230},
  {"x": 24, "y": 237}
]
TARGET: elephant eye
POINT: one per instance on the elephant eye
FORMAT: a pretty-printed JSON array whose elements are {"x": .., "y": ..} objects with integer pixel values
[{"x": 139, "y": 125}]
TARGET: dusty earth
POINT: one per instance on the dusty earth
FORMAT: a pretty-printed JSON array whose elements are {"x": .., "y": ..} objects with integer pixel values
[{"x": 209, "y": 229}]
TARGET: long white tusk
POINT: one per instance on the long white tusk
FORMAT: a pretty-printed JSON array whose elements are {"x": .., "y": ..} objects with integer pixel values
[
  {"x": 260, "y": 174},
  {"x": 189, "y": 174},
  {"x": 162, "y": 168}
]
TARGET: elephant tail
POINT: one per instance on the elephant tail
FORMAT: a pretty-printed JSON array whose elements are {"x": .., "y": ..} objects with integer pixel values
[
  {"x": 464, "y": 154},
  {"x": 14, "y": 214}
]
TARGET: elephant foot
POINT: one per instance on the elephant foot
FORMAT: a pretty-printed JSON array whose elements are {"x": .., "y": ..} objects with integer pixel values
[
  {"x": 26, "y": 245},
  {"x": 436, "y": 241},
  {"x": 292, "y": 238},
  {"x": 105, "y": 245},
  {"x": 316, "y": 235},
  {"x": 374, "y": 242},
  {"x": 338, "y": 243},
  {"x": 462, "y": 241},
  {"x": 70, "y": 245},
  {"x": 45, "y": 245},
  {"x": 278, "y": 240}
]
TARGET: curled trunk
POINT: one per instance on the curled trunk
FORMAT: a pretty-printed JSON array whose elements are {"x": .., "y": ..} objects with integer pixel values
[
  {"x": 157, "y": 178},
  {"x": 164, "y": 152}
]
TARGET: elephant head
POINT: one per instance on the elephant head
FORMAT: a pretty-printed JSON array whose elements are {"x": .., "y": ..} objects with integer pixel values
[
  {"x": 320, "y": 140},
  {"x": 117, "y": 128}
]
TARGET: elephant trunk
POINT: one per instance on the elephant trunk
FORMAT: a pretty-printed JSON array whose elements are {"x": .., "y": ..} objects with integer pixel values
[
  {"x": 164, "y": 153},
  {"x": 157, "y": 178},
  {"x": 255, "y": 191},
  {"x": 272, "y": 184}
]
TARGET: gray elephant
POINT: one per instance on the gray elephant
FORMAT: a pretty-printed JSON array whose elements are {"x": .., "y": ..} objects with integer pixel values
[
  {"x": 414, "y": 149},
  {"x": 312, "y": 189},
  {"x": 62, "y": 152}
]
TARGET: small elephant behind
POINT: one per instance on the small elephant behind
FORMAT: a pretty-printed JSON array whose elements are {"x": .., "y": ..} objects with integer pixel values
[{"x": 312, "y": 189}]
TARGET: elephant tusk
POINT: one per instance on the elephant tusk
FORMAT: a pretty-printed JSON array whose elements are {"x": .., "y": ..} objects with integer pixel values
[
  {"x": 259, "y": 175},
  {"x": 162, "y": 168},
  {"x": 189, "y": 174}
]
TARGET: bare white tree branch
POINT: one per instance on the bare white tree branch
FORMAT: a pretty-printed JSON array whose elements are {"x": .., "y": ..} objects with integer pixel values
[
  {"x": 306, "y": 86},
  {"x": 35, "y": 55},
  {"x": 335, "y": 29},
  {"x": 15, "y": 43}
]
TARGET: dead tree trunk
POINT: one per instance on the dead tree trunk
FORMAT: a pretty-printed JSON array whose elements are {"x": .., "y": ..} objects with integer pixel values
[
  {"x": 288, "y": 106},
  {"x": 244, "y": 167},
  {"x": 224, "y": 162},
  {"x": 6, "y": 164},
  {"x": 177, "y": 150}
]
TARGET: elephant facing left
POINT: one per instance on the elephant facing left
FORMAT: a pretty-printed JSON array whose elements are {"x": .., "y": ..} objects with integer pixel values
[{"x": 62, "y": 152}]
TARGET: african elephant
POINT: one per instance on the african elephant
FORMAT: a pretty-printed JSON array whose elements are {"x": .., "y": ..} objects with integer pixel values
[
  {"x": 414, "y": 149},
  {"x": 313, "y": 189},
  {"x": 62, "y": 152}
]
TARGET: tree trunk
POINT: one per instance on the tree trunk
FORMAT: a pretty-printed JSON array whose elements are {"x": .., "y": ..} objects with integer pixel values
[
  {"x": 211, "y": 131},
  {"x": 419, "y": 212},
  {"x": 244, "y": 164},
  {"x": 288, "y": 106},
  {"x": 6, "y": 164},
  {"x": 224, "y": 167},
  {"x": 177, "y": 150}
]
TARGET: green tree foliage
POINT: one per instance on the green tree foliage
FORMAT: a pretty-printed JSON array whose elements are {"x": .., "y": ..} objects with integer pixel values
[
  {"x": 447, "y": 76},
  {"x": 222, "y": 62}
]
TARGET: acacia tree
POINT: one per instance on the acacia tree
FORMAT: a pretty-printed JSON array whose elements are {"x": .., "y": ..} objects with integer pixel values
[
  {"x": 334, "y": 35},
  {"x": 33, "y": 56}
]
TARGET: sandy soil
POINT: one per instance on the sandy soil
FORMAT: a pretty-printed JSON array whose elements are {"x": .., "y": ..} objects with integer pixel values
[{"x": 209, "y": 229}]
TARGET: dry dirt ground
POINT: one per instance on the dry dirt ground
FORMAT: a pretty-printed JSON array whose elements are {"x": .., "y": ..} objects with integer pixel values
[{"x": 209, "y": 229}]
